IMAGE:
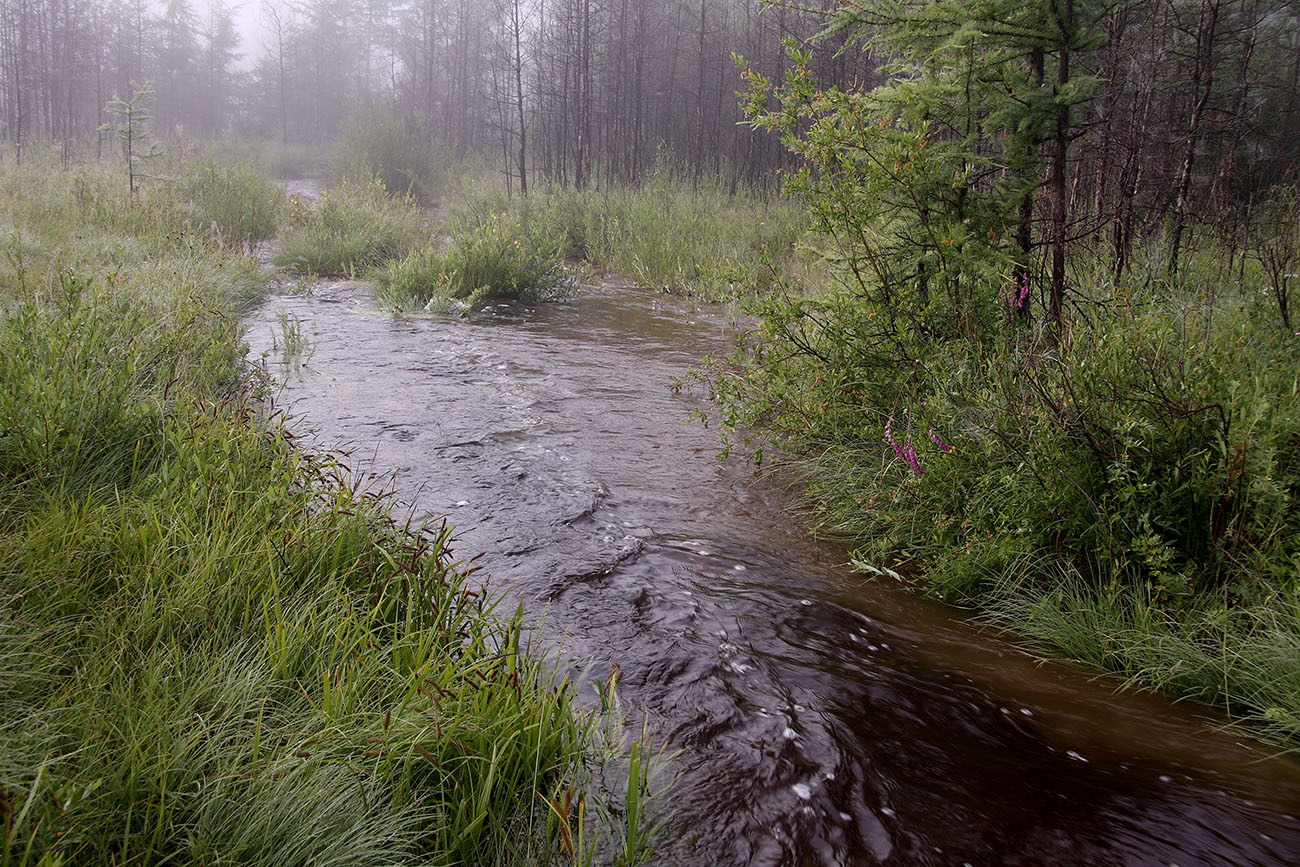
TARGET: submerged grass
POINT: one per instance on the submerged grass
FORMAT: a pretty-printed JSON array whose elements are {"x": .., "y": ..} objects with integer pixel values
[
  {"x": 214, "y": 647},
  {"x": 1240, "y": 658}
]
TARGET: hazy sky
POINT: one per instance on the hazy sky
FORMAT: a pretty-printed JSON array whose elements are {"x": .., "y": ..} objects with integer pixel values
[{"x": 248, "y": 21}]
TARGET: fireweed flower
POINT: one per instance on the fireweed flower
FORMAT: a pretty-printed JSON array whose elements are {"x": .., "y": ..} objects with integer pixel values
[
  {"x": 1024, "y": 293},
  {"x": 909, "y": 455}
]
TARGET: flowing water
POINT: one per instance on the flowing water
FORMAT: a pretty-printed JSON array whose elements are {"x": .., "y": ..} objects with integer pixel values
[{"x": 822, "y": 718}]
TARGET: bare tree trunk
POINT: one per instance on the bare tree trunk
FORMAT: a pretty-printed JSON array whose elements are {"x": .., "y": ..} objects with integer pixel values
[
  {"x": 1202, "y": 69},
  {"x": 518, "y": 25},
  {"x": 581, "y": 167},
  {"x": 698, "y": 158}
]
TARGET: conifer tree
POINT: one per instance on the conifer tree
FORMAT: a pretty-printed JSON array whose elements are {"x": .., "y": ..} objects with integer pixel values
[
  {"x": 133, "y": 133},
  {"x": 926, "y": 184}
]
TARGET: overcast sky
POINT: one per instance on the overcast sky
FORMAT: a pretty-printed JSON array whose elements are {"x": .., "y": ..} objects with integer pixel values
[{"x": 249, "y": 23}]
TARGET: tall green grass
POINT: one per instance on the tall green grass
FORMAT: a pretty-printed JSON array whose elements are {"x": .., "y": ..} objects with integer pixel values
[
  {"x": 492, "y": 256},
  {"x": 215, "y": 647},
  {"x": 232, "y": 201},
  {"x": 1239, "y": 657},
  {"x": 669, "y": 232},
  {"x": 355, "y": 228}
]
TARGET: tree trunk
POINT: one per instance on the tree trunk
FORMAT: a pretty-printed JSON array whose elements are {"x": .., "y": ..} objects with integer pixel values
[{"x": 1203, "y": 67}]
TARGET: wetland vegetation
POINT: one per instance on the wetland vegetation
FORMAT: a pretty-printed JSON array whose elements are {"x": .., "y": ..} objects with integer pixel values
[{"x": 1018, "y": 279}]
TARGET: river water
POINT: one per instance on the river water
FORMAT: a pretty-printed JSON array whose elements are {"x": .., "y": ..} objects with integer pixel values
[{"x": 822, "y": 718}]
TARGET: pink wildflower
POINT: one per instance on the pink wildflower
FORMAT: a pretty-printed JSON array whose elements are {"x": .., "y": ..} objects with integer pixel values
[
  {"x": 939, "y": 441},
  {"x": 906, "y": 453},
  {"x": 909, "y": 455}
]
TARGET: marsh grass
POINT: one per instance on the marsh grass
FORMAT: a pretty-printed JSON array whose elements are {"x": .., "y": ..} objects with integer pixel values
[
  {"x": 356, "y": 227},
  {"x": 671, "y": 232},
  {"x": 1239, "y": 658},
  {"x": 234, "y": 203},
  {"x": 215, "y": 647},
  {"x": 489, "y": 257},
  {"x": 294, "y": 347}
]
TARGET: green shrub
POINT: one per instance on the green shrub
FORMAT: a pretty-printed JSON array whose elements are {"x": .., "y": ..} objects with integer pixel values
[{"x": 1154, "y": 450}]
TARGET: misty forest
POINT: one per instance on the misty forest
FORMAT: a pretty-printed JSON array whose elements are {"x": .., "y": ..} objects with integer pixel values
[{"x": 709, "y": 432}]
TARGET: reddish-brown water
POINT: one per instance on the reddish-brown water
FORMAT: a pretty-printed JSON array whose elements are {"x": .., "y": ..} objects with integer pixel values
[{"x": 822, "y": 718}]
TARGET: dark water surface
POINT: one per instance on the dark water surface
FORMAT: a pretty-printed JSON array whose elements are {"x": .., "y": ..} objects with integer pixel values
[{"x": 823, "y": 718}]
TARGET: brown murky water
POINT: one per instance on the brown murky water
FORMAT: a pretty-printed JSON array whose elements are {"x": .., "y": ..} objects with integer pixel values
[{"x": 822, "y": 718}]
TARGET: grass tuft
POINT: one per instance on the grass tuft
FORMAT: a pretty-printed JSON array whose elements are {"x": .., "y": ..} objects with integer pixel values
[
  {"x": 488, "y": 258},
  {"x": 356, "y": 227}
]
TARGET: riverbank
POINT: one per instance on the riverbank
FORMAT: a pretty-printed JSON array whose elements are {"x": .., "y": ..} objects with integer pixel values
[
  {"x": 214, "y": 645},
  {"x": 1126, "y": 501},
  {"x": 1121, "y": 492}
]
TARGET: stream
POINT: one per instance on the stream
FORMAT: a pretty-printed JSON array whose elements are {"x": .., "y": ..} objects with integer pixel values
[{"x": 822, "y": 718}]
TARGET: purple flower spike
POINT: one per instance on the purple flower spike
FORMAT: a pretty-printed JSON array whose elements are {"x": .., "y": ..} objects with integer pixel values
[
  {"x": 909, "y": 455},
  {"x": 891, "y": 439},
  {"x": 939, "y": 441},
  {"x": 906, "y": 453},
  {"x": 1024, "y": 292}
]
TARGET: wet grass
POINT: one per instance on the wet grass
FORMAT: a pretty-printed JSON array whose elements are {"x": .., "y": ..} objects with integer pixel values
[
  {"x": 1241, "y": 658},
  {"x": 214, "y": 646},
  {"x": 670, "y": 232},
  {"x": 488, "y": 257},
  {"x": 356, "y": 228},
  {"x": 700, "y": 237}
]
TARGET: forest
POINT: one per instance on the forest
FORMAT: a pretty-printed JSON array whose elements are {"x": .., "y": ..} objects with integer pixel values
[{"x": 1011, "y": 284}]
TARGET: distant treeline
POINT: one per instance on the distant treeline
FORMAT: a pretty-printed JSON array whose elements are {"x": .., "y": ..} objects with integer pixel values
[
  {"x": 1196, "y": 106},
  {"x": 585, "y": 88}
]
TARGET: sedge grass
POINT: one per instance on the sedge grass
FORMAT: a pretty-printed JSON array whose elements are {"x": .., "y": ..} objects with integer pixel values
[
  {"x": 1240, "y": 659},
  {"x": 489, "y": 258},
  {"x": 669, "y": 232},
  {"x": 356, "y": 227},
  {"x": 213, "y": 646}
]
